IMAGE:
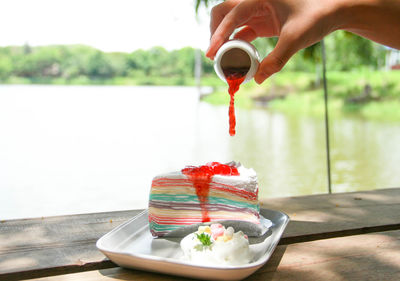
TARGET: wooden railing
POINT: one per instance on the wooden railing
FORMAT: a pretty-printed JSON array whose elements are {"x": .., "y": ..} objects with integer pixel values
[{"x": 347, "y": 236}]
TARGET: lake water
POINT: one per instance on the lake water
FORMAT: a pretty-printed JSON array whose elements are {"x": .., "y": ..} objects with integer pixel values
[{"x": 78, "y": 149}]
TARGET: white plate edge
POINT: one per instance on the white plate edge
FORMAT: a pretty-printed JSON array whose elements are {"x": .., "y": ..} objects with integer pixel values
[{"x": 256, "y": 264}]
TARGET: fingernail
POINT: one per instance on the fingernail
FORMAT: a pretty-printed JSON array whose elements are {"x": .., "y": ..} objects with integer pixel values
[
  {"x": 208, "y": 55},
  {"x": 207, "y": 52}
]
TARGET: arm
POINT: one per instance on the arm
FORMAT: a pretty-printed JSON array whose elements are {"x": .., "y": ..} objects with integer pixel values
[
  {"x": 301, "y": 23},
  {"x": 377, "y": 20}
]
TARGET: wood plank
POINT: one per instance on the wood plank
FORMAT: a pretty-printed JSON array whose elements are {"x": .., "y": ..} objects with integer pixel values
[
  {"x": 46, "y": 246},
  {"x": 374, "y": 256},
  {"x": 54, "y": 245},
  {"x": 361, "y": 257},
  {"x": 333, "y": 215}
]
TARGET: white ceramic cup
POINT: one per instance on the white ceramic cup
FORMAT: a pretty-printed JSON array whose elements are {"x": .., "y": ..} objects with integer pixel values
[{"x": 237, "y": 54}]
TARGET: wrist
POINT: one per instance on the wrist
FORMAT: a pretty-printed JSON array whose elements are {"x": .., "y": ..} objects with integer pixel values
[
  {"x": 343, "y": 13},
  {"x": 334, "y": 14},
  {"x": 360, "y": 15},
  {"x": 377, "y": 20}
]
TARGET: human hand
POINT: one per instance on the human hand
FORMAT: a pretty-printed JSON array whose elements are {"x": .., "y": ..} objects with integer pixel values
[{"x": 298, "y": 23}]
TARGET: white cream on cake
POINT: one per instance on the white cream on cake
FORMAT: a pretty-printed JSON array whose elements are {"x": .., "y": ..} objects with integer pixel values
[
  {"x": 215, "y": 245},
  {"x": 246, "y": 180}
]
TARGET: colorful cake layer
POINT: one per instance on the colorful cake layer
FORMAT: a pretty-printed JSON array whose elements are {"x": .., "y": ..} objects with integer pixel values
[{"x": 212, "y": 192}]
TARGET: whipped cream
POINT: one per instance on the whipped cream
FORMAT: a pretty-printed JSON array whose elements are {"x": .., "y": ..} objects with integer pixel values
[
  {"x": 216, "y": 245},
  {"x": 246, "y": 180}
]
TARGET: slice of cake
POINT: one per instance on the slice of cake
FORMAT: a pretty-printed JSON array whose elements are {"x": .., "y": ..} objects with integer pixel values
[{"x": 212, "y": 192}]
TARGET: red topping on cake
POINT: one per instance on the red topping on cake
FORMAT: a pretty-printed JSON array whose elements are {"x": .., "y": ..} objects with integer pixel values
[
  {"x": 201, "y": 178},
  {"x": 211, "y": 169}
]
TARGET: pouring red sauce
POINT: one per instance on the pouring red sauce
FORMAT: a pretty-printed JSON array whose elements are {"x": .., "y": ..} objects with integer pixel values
[{"x": 234, "y": 77}]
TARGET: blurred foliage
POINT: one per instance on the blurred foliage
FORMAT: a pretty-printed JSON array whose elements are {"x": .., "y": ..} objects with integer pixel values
[
  {"x": 353, "y": 65},
  {"x": 295, "y": 93},
  {"x": 345, "y": 52},
  {"x": 80, "y": 64},
  {"x": 84, "y": 64},
  {"x": 71, "y": 63},
  {"x": 206, "y": 3}
]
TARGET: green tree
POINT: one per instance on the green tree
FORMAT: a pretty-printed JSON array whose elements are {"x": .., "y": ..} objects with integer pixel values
[
  {"x": 76, "y": 61},
  {"x": 99, "y": 66},
  {"x": 139, "y": 60},
  {"x": 184, "y": 62},
  {"x": 119, "y": 64},
  {"x": 6, "y": 67},
  {"x": 347, "y": 51},
  {"x": 40, "y": 61}
]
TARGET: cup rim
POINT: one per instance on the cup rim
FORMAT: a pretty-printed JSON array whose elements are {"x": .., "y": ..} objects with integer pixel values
[{"x": 243, "y": 45}]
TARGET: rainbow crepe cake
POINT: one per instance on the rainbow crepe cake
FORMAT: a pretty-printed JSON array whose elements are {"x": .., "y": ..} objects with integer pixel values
[{"x": 208, "y": 193}]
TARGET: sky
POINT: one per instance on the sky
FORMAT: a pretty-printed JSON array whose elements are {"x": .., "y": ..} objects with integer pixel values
[{"x": 109, "y": 25}]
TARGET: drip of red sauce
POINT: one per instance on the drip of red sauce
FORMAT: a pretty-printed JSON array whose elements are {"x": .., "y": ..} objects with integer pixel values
[
  {"x": 201, "y": 178},
  {"x": 234, "y": 77}
]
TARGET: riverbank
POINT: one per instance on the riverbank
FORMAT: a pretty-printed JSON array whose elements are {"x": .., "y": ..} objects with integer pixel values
[
  {"x": 374, "y": 95},
  {"x": 137, "y": 80},
  {"x": 116, "y": 81}
]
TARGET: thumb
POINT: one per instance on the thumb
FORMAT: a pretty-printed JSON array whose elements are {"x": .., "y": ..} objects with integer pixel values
[{"x": 275, "y": 60}]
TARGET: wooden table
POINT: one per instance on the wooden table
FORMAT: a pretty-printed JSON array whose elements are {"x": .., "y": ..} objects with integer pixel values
[{"x": 348, "y": 236}]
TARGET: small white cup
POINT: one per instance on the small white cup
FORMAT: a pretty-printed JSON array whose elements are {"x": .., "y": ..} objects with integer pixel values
[{"x": 237, "y": 54}]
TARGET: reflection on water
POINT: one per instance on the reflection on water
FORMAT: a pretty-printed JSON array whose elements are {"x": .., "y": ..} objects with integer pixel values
[
  {"x": 76, "y": 149},
  {"x": 365, "y": 155}
]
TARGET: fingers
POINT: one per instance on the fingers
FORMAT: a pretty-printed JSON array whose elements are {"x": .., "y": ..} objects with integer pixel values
[
  {"x": 246, "y": 34},
  {"x": 236, "y": 17},
  {"x": 276, "y": 60},
  {"x": 219, "y": 12}
]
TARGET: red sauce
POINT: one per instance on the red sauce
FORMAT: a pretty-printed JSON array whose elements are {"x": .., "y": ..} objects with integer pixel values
[
  {"x": 201, "y": 178},
  {"x": 234, "y": 77}
]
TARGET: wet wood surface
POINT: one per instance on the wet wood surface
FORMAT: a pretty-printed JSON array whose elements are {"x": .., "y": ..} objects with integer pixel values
[{"x": 59, "y": 246}]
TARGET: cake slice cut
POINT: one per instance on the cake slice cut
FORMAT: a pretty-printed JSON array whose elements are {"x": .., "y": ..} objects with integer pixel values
[{"x": 208, "y": 193}]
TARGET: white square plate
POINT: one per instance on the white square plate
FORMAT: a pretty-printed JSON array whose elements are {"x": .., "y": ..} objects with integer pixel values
[{"x": 131, "y": 245}]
